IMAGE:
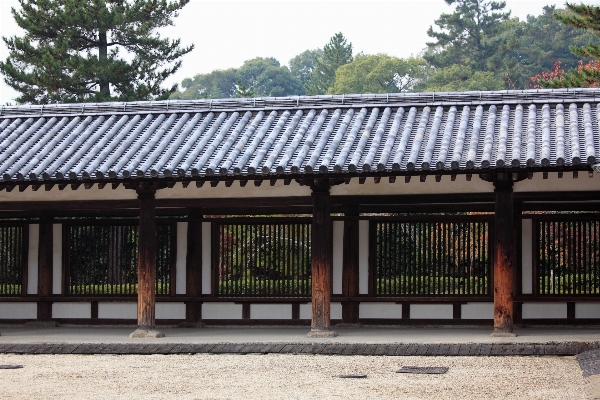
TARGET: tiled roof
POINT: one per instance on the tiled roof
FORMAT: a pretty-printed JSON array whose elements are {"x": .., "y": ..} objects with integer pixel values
[{"x": 460, "y": 132}]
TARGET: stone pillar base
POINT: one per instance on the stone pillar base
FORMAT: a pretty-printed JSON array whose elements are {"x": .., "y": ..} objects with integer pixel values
[
  {"x": 319, "y": 333},
  {"x": 503, "y": 334},
  {"x": 146, "y": 333}
]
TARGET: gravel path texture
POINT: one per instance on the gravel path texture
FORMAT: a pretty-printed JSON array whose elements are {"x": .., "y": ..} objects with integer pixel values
[{"x": 277, "y": 376}]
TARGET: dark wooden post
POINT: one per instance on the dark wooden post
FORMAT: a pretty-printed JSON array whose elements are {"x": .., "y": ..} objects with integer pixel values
[
  {"x": 321, "y": 262},
  {"x": 44, "y": 308},
  {"x": 193, "y": 270},
  {"x": 350, "y": 269},
  {"x": 504, "y": 259},
  {"x": 147, "y": 266}
]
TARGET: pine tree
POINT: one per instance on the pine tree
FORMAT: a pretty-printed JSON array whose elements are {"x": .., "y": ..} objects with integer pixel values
[
  {"x": 586, "y": 74},
  {"x": 92, "y": 50},
  {"x": 336, "y": 53},
  {"x": 468, "y": 36}
]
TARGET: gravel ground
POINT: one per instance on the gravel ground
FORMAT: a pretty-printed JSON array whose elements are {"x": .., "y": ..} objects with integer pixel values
[{"x": 275, "y": 376}]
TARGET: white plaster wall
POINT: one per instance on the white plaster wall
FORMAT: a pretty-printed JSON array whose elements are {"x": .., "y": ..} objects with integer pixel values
[
  {"x": 18, "y": 310},
  {"x": 363, "y": 257},
  {"x": 57, "y": 259},
  {"x": 170, "y": 310},
  {"x": 415, "y": 186},
  {"x": 235, "y": 191},
  {"x": 270, "y": 311},
  {"x": 527, "y": 256},
  {"x": 335, "y": 311},
  {"x": 554, "y": 183},
  {"x": 32, "y": 259},
  {"x": 306, "y": 311},
  {"x": 117, "y": 310},
  {"x": 206, "y": 257},
  {"x": 180, "y": 264},
  {"x": 477, "y": 311},
  {"x": 69, "y": 195},
  {"x": 544, "y": 310},
  {"x": 221, "y": 311},
  {"x": 71, "y": 310},
  {"x": 431, "y": 311},
  {"x": 338, "y": 255},
  {"x": 380, "y": 310},
  {"x": 587, "y": 310}
]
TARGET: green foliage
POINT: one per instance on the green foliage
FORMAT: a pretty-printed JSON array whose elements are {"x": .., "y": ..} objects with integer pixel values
[
  {"x": 266, "y": 287},
  {"x": 336, "y": 53},
  {"x": 587, "y": 18},
  {"x": 468, "y": 36},
  {"x": 457, "y": 78},
  {"x": 431, "y": 285},
  {"x": 302, "y": 65},
  {"x": 266, "y": 77},
  {"x": 217, "y": 84},
  {"x": 96, "y": 50},
  {"x": 379, "y": 73}
]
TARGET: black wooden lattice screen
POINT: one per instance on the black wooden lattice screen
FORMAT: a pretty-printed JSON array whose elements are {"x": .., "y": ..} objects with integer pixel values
[
  {"x": 567, "y": 260},
  {"x": 431, "y": 257},
  {"x": 13, "y": 259},
  {"x": 262, "y": 259},
  {"x": 101, "y": 258}
]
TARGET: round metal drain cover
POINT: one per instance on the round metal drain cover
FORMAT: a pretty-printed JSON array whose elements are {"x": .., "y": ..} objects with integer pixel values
[
  {"x": 353, "y": 376},
  {"x": 13, "y": 366}
]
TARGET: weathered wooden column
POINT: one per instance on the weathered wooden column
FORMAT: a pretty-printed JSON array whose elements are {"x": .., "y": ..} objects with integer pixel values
[
  {"x": 350, "y": 269},
  {"x": 321, "y": 262},
  {"x": 193, "y": 270},
  {"x": 44, "y": 308},
  {"x": 147, "y": 267},
  {"x": 504, "y": 259}
]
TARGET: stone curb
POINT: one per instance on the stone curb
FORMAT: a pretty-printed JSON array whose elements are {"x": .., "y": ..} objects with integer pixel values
[{"x": 589, "y": 352}]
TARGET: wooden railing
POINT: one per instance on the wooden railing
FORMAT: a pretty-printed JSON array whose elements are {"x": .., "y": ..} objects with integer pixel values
[
  {"x": 566, "y": 255},
  {"x": 100, "y": 257},
  {"x": 439, "y": 256},
  {"x": 13, "y": 259},
  {"x": 262, "y": 257}
]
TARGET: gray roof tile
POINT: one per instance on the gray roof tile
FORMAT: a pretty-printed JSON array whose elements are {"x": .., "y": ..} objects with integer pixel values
[{"x": 301, "y": 135}]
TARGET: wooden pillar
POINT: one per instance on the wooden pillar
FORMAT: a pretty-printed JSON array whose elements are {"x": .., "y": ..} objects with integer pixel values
[
  {"x": 350, "y": 269},
  {"x": 321, "y": 262},
  {"x": 44, "y": 308},
  {"x": 193, "y": 269},
  {"x": 504, "y": 259},
  {"x": 147, "y": 266}
]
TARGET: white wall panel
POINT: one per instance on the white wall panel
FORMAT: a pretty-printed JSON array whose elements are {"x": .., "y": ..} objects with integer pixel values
[
  {"x": 206, "y": 257},
  {"x": 32, "y": 259},
  {"x": 336, "y": 311},
  {"x": 170, "y": 310},
  {"x": 18, "y": 310},
  {"x": 117, "y": 310},
  {"x": 363, "y": 257},
  {"x": 380, "y": 310},
  {"x": 544, "y": 310},
  {"x": 338, "y": 255},
  {"x": 477, "y": 311},
  {"x": 221, "y": 311},
  {"x": 587, "y": 310},
  {"x": 71, "y": 310},
  {"x": 180, "y": 263},
  {"x": 527, "y": 256},
  {"x": 431, "y": 311},
  {"x": 57, "y": 259},
  {"x": 270, "y": 311},
  {"x": 306, "y": 311}
]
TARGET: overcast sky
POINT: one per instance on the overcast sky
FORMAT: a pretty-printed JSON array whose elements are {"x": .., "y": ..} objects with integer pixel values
[{"x": 227, "y": 33}]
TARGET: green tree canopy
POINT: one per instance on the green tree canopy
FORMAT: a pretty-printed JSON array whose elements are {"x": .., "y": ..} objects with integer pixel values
[
  {"x": 336, "y": 53},
  {"x": 379, "y": 73},
  {"x": 266, "y": 77},
  {"x": 468, "y": 36},
  {"x": 459, "y": 78},
  {"x": 217, "y": 84},
  {"x": 302, "y": 65},
  {"x": 93, "y": 50},
  {"x": 587, "y": 18}
]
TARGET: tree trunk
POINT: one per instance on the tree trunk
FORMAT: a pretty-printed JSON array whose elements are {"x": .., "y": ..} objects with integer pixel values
[{"x": 103, "y": 60}]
